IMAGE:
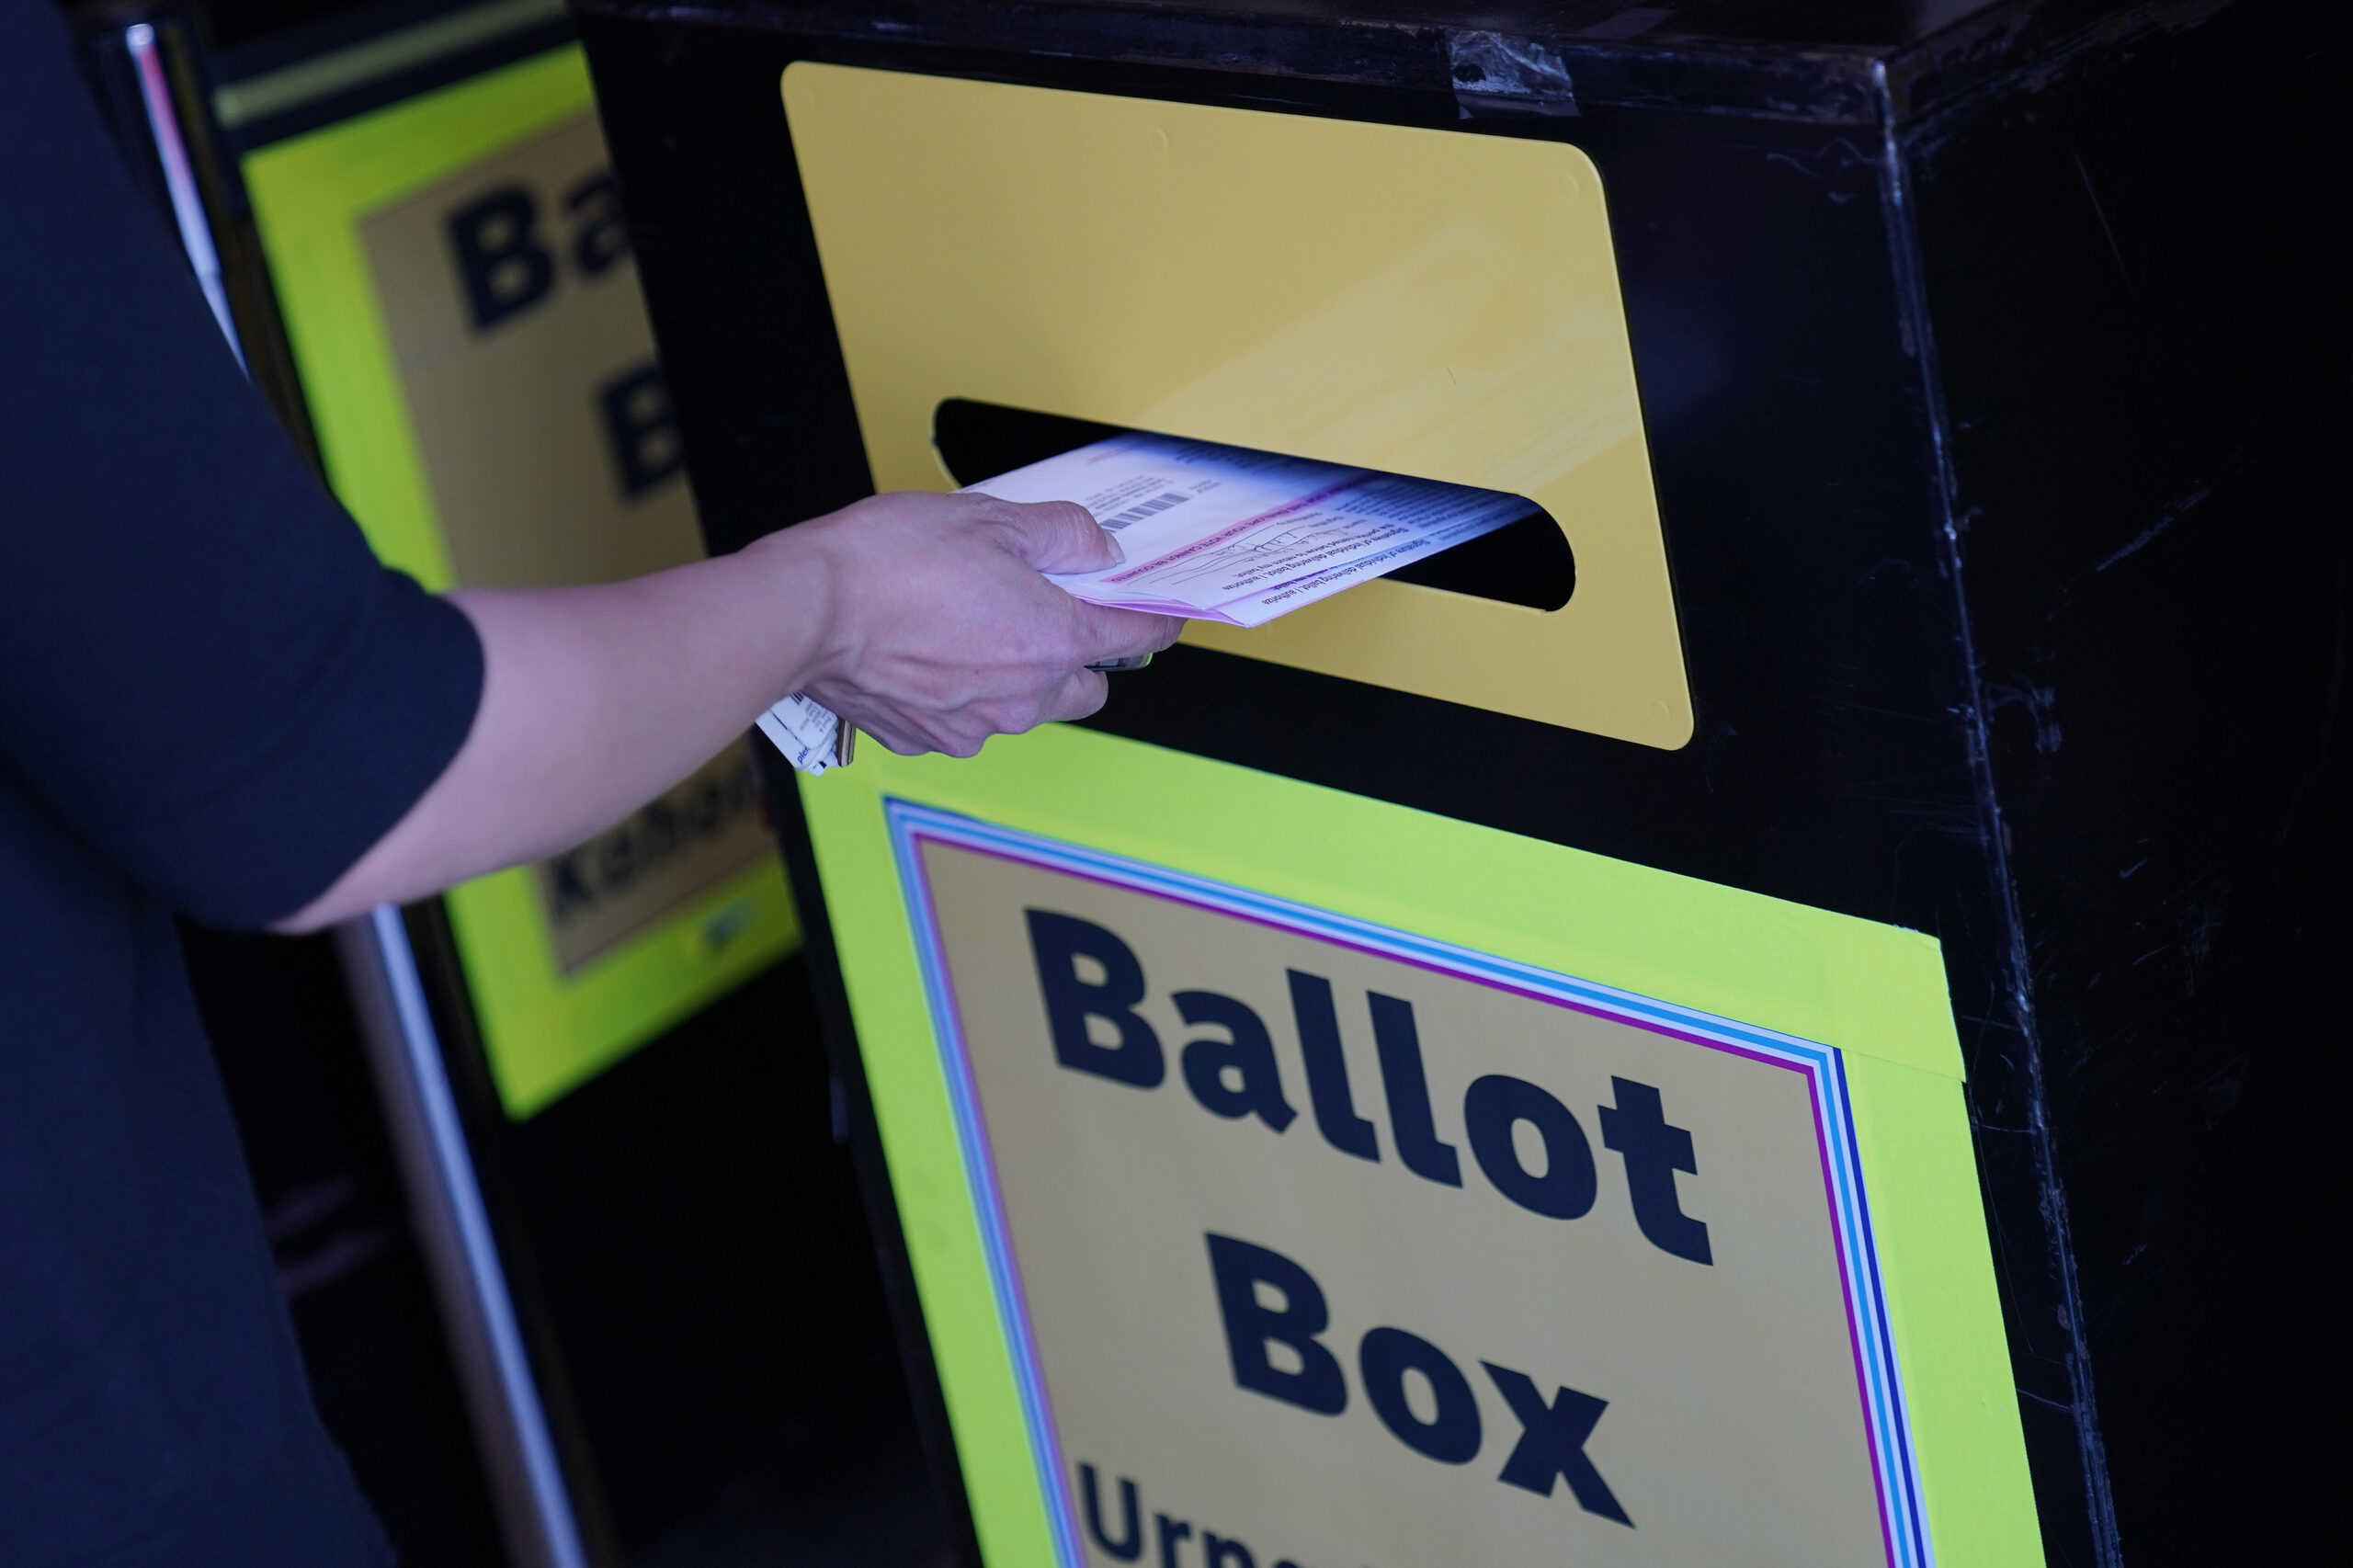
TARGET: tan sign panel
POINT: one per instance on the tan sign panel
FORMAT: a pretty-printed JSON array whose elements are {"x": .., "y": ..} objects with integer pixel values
[
  {"x": 1329, "y": 1246},
  {"x": 622, "y": 881},
  {"x": 511, "y": 299},
  {"x": 510, "y": 296}
]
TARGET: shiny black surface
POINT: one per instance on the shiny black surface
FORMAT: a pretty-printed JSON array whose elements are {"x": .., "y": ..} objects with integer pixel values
[
  {"x": 1861, "y": 26},
  {"x": 2143, "y": 344},
  {"x": 1867, "y": 62},
  {"x": 1905, "y": 392}
]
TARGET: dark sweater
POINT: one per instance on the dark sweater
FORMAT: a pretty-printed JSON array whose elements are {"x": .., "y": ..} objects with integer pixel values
[{"x": 212, "y": 700}]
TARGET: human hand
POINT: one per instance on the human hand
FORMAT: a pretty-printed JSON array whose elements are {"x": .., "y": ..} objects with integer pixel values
[{"x": 940, "y": 631}]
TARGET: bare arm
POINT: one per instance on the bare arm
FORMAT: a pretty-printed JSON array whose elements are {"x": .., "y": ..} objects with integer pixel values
[{"x": 921, "y": 618}]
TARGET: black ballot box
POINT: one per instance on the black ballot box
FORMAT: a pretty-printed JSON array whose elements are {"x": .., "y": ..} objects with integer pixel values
[{"x": 1779, "y": 1015}]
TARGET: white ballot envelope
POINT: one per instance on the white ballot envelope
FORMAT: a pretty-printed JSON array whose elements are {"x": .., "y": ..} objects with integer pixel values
[
  {"x": 1215, "y": 533},
  {"x": 1224, "y": 533},
  {"x": 808, "y": 733}
]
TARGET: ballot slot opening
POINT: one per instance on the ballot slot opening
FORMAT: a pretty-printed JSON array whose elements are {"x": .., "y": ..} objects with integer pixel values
[{"x": 1527, "y": 562}]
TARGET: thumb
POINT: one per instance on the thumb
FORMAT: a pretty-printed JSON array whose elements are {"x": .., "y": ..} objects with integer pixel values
[{"x": 1059, "y": 536}]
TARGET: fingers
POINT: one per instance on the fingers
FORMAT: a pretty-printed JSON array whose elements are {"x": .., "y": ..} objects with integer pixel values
[
  {"x": 1056, "y": 536},
  {"x": 1120, "y": 633},
  {"x": 1081, "y": 694},
  {"x": 954, "y": 641},
  {"x": 882, "y": 724}
]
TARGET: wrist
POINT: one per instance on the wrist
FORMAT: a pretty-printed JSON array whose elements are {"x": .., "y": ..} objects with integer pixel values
[{"x": 801, "y": 605}]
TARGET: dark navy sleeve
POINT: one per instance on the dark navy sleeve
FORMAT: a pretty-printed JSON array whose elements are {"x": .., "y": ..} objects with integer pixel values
[{"x": 203, "y": 669}]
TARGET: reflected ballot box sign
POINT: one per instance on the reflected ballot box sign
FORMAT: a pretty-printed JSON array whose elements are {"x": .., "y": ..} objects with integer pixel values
[
  {"x": 511, "y": 308},
  {"x": 581, "y": 1062},
  {"x": 616, "y": 887},
  {"x": 461, "y": 302}
]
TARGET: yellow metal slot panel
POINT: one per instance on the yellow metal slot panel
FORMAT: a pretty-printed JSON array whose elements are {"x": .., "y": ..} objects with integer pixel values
[{"x": 1428, "y": 302}]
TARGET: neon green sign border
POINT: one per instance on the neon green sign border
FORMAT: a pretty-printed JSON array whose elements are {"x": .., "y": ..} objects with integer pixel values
[
  {"x": 1877, "y": 993},
  {"x": 544, "y": 1032}
]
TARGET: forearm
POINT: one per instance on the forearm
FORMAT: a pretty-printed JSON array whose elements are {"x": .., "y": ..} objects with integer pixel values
[
  {"x": 594, "y": 700},
  {"x": 921, "y": 618}
]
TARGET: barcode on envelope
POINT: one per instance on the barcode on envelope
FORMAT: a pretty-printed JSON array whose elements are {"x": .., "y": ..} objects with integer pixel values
[{"x": 1137, "y": 514}]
